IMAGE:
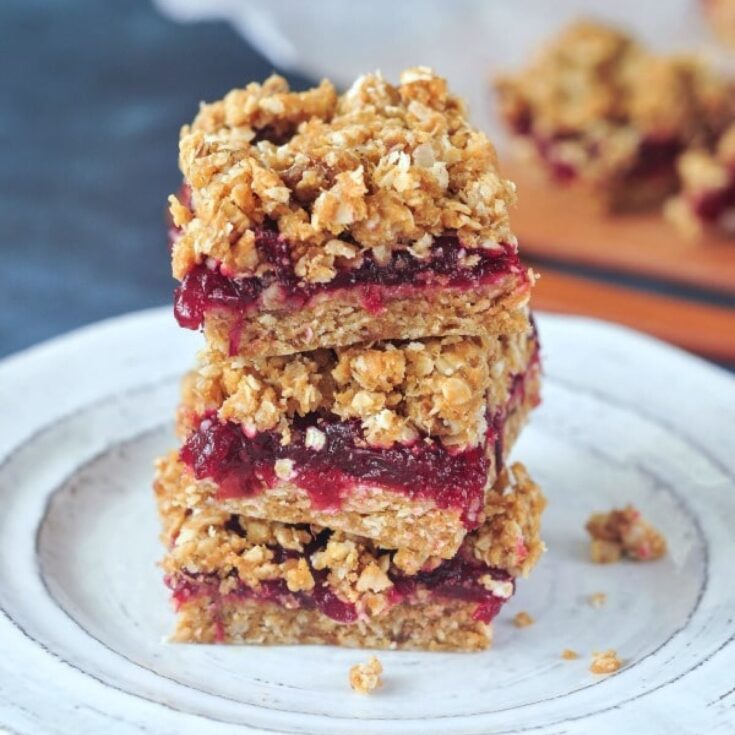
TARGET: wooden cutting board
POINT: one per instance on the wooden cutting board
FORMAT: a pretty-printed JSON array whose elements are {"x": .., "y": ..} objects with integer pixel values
[
  {"x": 701, "y": 328},
  {"x": 560, "y": 223}
]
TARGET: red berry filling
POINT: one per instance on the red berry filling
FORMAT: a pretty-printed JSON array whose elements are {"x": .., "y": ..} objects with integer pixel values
[
  {"x": 244, "y": 466},
  {"x": 205, "y": 288}
]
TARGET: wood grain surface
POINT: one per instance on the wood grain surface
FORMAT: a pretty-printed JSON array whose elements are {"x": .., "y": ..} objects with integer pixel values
[
  {"x": 564, "y": 224},
  {"x": 702, "y": 328}
]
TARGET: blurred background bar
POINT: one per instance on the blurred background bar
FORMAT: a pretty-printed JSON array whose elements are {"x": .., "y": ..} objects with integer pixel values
[{"x": 94, "y": 94}]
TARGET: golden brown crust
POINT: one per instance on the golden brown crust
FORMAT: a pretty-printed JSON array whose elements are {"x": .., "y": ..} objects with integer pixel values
[
  {"x": 431, "y": 626},
  {"x": 441, "y": 388},
  {"x": 377, "y": 168},
  {"x": 341, "y": 319}
]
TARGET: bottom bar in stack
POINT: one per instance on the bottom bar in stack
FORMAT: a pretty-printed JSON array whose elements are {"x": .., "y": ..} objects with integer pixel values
[{"x": 236, "y": 579}]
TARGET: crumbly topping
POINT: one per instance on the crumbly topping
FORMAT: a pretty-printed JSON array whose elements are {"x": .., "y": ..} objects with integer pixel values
[
  {"x": 510, "y": 538},
  {"x": 598, "y": 599},
  {"x": 204, "y": 540},
  {"x": 569, "y": 655},
  {"x": 605, "y": 662},
  {"x": 377, "y": 168},
  {"x": 623, "y": 532},
  {"x": 400, "y": 391},
  {"x": 588, "y": 93},
  {"x": 365, "y": 678},
  {"x": 523, "y": 620}
]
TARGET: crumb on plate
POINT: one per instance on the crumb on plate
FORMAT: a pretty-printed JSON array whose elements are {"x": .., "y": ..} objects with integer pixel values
[
  {"x": 605, "y": 662},
  {"x": 569, "y": 655},
  {"x": 598, "y": 599},
  {"x": 523, "y": 620},
  {"x": 625, "y": 532},
  {"x": 364, "y": 678}
]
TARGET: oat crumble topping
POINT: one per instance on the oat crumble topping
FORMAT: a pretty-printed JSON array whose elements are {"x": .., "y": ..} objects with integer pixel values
[
  {"x": 623, "y": 533},
  {"x": 605, "y": 662},
  {"x": 399, "y": 391},
  {"x": 377, "y": 168},
  {"x": 365, "y": 678},
  {"x": 510, "y": 537}
]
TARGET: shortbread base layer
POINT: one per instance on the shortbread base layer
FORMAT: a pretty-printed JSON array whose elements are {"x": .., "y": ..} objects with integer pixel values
[
  {"x": 433, "y": 626},
  {"x": 342, "y": 319}
]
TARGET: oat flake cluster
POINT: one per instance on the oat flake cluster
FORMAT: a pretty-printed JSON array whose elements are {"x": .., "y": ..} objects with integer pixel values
[{"x": 377, "y": 168}]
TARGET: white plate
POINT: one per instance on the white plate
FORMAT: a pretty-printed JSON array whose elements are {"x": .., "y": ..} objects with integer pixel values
[{"x": 84, "y": 611}]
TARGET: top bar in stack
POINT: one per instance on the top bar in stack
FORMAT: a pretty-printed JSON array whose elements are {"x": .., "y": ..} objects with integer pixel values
[{"x": 311, "y": 219}]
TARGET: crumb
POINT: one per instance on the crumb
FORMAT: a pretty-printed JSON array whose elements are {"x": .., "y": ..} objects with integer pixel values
[
  {"x": 605, "y": 552},
  {"x": 523, "y": 620},
  {"x": 568, "y": 655},
  {"x": 364, "y": 678},
  {"x": 605, "y": 662},
  {"x": 598, "y": 599},
  {"x": 623, "y": 533}
]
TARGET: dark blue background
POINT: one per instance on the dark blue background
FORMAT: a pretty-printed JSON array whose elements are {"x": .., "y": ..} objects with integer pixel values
[{"x": 92, "y": 95}]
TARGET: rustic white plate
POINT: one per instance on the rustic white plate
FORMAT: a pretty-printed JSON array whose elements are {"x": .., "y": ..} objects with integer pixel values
[{"x": 84, "y": 612}]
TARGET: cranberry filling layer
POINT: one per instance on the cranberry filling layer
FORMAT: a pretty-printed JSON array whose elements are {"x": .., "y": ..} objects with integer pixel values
[
  {"x": 453, "y": 579},
  {"x": 204, "y": 288},
  {"x": 244, "y": 466}
]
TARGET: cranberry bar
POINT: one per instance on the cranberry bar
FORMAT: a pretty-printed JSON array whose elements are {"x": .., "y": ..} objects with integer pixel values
[
  {"x": 311, "y": 219},
  {"x": 236, "y": 579},
  {"x": 596, "y": 108},
  {"x": 706, "y": 200},
  {"x": 395, "y": 441}
]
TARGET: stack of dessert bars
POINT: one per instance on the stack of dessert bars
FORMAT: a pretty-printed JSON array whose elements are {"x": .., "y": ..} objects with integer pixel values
[{"x": 370, "y": 360}]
